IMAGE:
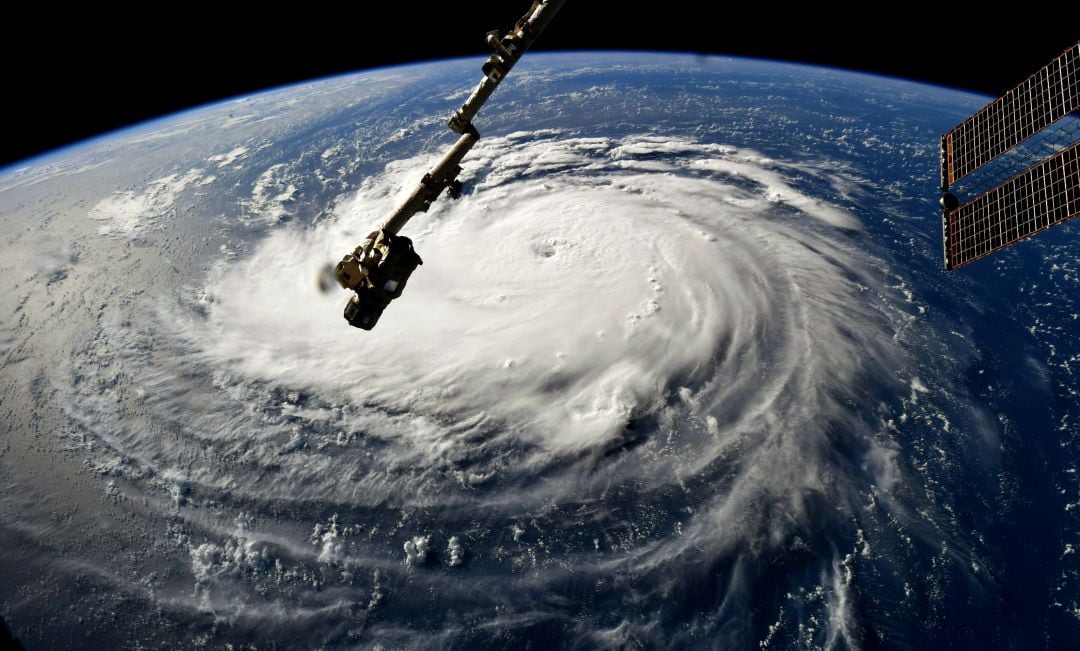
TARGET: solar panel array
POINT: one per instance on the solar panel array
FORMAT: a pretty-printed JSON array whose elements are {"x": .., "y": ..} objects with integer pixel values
[
  {"x": 1046, "y": 193},
  {"x": 1032, "y": 201},
  {"x": 1043, "y": 98}
]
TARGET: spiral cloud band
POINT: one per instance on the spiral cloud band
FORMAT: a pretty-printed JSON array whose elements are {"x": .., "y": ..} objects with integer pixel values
[
  {"x": 651, "y": 355},
  {"x": 578, "y": 284}
]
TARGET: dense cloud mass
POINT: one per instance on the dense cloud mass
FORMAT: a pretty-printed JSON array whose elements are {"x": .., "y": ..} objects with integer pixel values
[{"x": 581, "y": 284}]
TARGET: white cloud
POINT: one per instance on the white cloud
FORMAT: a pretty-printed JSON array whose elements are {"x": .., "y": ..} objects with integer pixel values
[
  {"x": 129, "y": 213},
  {"x": 271, "y": 195},
  {"x": 227, "y": 159},
  {"x": 417, "y": 550}
]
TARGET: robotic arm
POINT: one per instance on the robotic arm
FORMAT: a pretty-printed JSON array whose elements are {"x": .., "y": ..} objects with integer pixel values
[{"x": 378, "y": 269}]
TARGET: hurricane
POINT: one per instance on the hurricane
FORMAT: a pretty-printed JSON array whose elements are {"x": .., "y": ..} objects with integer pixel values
[
  {"x": 681, "y": 368},
  {"x": 642, "y": 389}
]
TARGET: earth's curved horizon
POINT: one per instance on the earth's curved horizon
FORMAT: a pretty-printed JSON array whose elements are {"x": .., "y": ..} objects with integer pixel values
[
  {"x": 43, "y": 157},
  {"x": 681, "y": 369}
]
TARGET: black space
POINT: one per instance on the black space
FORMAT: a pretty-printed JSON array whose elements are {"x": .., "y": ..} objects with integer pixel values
[{"x": 103, "y": 68}]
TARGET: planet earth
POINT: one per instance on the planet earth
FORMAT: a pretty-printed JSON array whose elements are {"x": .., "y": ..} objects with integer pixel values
[{"x": 682, "y": 368}]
